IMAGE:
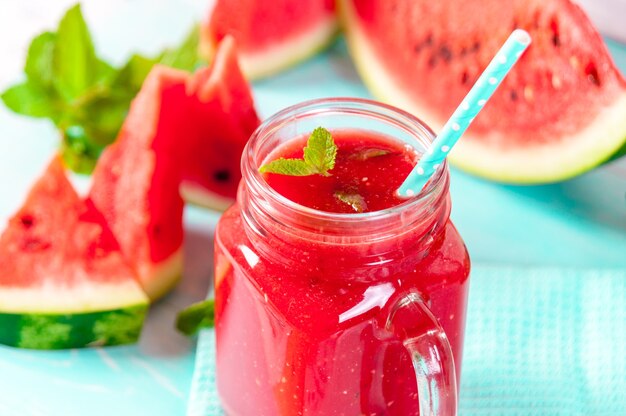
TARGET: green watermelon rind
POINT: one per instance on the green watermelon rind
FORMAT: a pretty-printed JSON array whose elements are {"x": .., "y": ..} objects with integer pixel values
[
  {"x": 265, "y": 63},
  {"x": 584, "y": 151},
  {"x": 73, "y": 330},
  {"x": 620, "y": 153},
  {"x": 602, "y": 141}
]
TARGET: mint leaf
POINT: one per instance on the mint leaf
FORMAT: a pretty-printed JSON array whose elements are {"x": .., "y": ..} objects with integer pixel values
[
  {"x": 368, "y": 153},
  {"x": 84, "y": 96},
  {"x": 131, "y": 76},
  {"x": 30, "y": 100},
  {"x": 199, "y": 315},
  {"x": 319, "y": 157},
  {"x": 320, "y": 151},
  {"x": 103, "y": 117},
  {"x": 76, "y": 66},
  {"x": 39, "y": 61},
  {"x": 185, "y": 56},
  {"x": 290, "y": 167},
  {"x": 78, "y": 150},
  {"x": 356, "y": 201}
]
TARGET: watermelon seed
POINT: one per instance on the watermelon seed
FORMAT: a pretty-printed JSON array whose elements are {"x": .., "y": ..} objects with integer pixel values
[
  {"x": 475, "y": 47},
  {"x": 27, "y": 221},
  {"x": 514, "y": 95},
  {"x": 529, "y": 94},
  {"x": 425, "y": 43},
  {"x": 465, "y": 78},
  {"x": 556, "y": 40},
  {"x": 592, "y": 74},
  {"x": 445, "y": 53},
  {"x": 432, "y": 62},
  {"x": 221, "y": 175}
]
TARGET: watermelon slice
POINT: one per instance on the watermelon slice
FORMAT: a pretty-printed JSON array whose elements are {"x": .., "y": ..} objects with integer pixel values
[
  {"x": 185, "y": 132},
  {"x": 63, "y": 281},
  {"x": 222, "y": 115},
  {"x": 560, "y": 112},
  {"x": 272, "y": 35},
  {"x": 136, "y": 182}
]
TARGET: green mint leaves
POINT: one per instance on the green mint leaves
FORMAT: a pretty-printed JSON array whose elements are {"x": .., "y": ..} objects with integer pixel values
[
  {"x": 85, "y": 97},
  {"x": 319, "y": 157},
  {"x": 320, "y": 151},
  {"x": 199, "y": 315},
  {"x": 75, "y": 66},
  {"x": 356, "y": 201},
  {"x": 185, "y": 55},
  {"x": 290, "y": 167},
  {"x": 368, "y": 153}
]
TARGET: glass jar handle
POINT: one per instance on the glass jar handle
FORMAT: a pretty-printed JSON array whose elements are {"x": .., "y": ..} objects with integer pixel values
[{"x": 414, "y": 324}]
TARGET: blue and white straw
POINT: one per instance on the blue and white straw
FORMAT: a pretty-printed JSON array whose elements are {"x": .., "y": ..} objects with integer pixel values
[{"x": 463, "y": 116}]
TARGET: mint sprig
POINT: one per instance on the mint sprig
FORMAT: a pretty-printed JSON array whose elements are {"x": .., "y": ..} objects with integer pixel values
[
  {"x": 319, "y": 157},
  {"x": 199, "y": 315},
  {"x": 354, "y": 200},
  {"x": 84, "y": 96},
  {"x": 368, "y": 153}
]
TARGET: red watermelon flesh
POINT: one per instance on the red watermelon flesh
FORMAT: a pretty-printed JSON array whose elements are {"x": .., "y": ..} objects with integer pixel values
[
  {"x": 271, "y": 35},
  {"x": 221, "y": 113},
  {"x": 136, "y": 182},
  {"x": 63, "y": 280},
  {"x": 560, "y": 111},
  {"x": 182, "y": 130}
]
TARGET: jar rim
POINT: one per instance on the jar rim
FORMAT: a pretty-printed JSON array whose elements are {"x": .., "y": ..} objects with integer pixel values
[{"x": 337, "y": 105}]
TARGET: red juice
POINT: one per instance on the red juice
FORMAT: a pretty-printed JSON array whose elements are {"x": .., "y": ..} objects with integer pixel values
[
  {"x": 301, "y": 303},
  {"x": 368, "y": 169}
]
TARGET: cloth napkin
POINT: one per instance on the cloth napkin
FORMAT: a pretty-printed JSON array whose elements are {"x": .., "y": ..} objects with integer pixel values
[{"x": 538, "y": 342}]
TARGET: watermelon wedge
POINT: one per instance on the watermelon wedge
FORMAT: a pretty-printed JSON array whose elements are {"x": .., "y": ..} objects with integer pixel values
[
  {"x": 183, "y": 132},
  {"x": 271, "y": 35},
  {"x": 559, "y": 113},
  {"x": 136, "y": 182},
  {"x": 63, "y": 280},
  {"x": 222, "y": 115}
]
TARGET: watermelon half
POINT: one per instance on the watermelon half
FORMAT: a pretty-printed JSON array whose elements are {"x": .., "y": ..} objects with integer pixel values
[
  {"x": 271, "y": 35},
  {"x": 63, "y": 280},
  {"x": 136, "y": 183},
  {"x": 219, "y": 121},
  {"x": 560, "y": 112}
]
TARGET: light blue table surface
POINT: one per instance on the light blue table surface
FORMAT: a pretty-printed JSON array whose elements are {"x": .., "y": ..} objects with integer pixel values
[{"x": 579, "y": 223}]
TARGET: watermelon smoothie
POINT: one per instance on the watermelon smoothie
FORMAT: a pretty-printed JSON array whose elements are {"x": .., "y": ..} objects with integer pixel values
[{"x": 326, "y": 287}]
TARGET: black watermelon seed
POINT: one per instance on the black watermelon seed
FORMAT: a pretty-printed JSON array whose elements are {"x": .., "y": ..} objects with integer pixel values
[
  {"x": 27, "y": 221},
  {"x": 221, "y": 175}
]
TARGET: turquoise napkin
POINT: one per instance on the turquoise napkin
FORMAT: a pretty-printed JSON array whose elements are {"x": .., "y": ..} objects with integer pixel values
[{"x": 538, "y": 342}]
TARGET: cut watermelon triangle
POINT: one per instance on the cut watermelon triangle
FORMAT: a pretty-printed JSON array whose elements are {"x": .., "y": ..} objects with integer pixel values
[
  {"x": 560, "y": 112},
  {"x": 181, "y": 130},
  {"x": 63, "y": 281},
  {"x": 136, "y": 182},
  {"x": 221, "y": 112},
  {"x": 272, "y": 35}
]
